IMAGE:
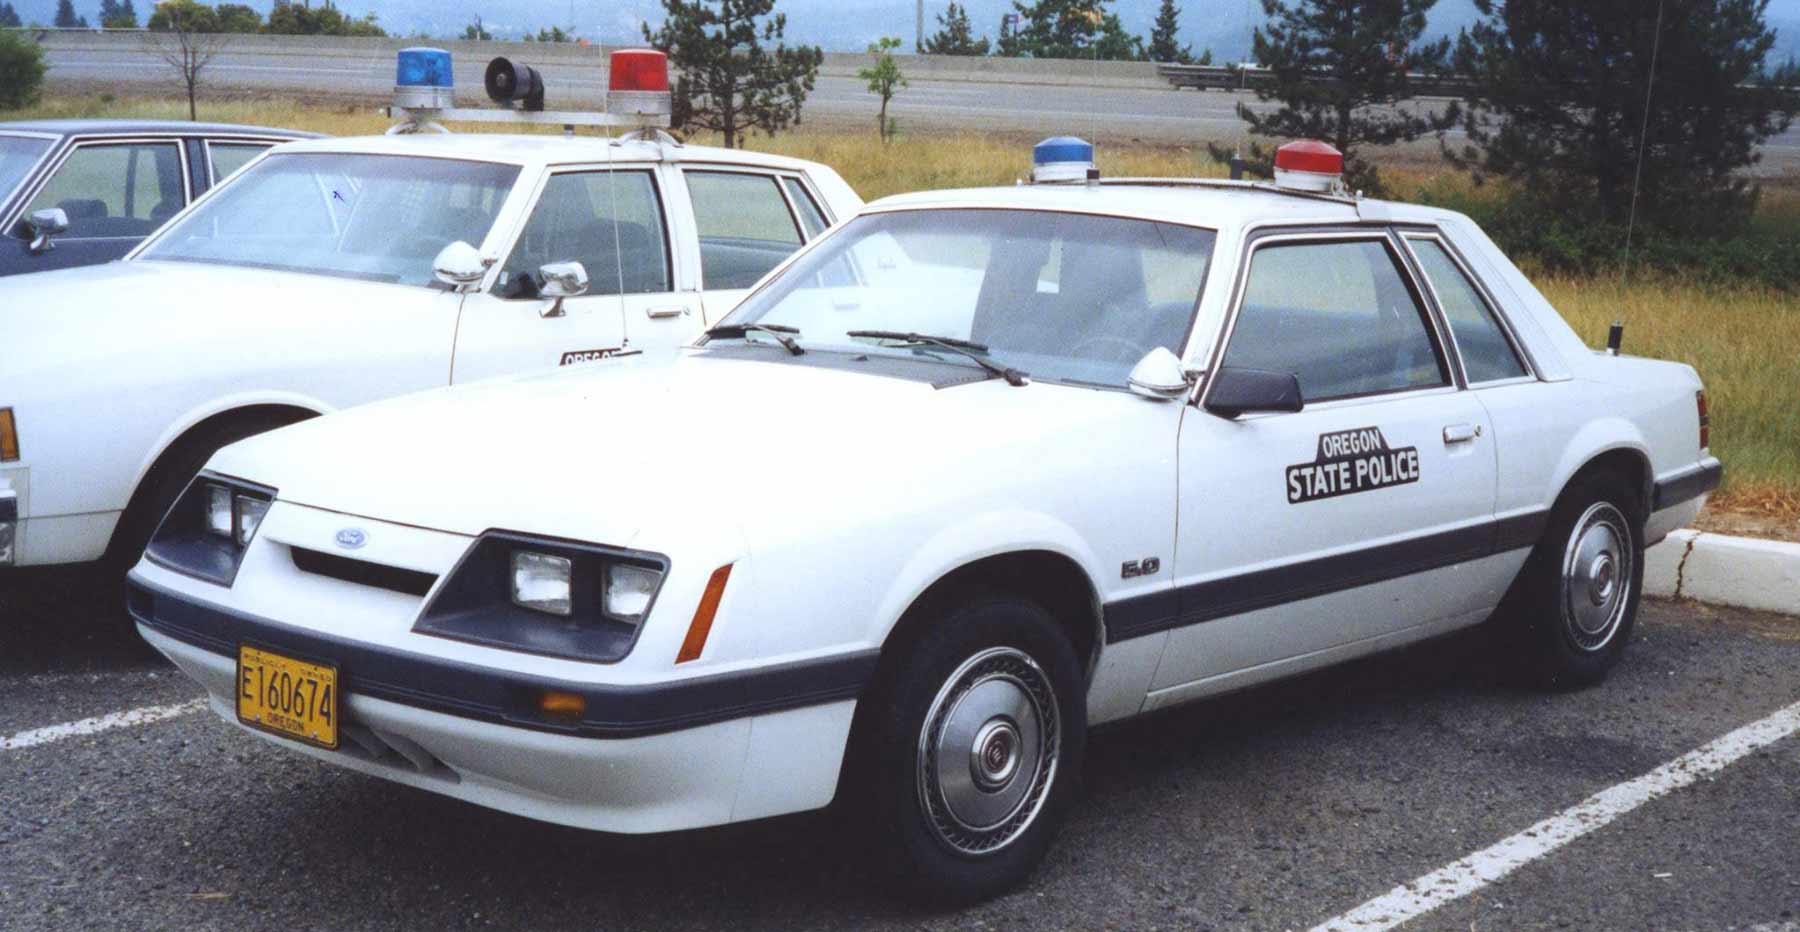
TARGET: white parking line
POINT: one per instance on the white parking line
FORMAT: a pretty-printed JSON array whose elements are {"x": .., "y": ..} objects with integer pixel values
[
  {"x": 87, "y": 726},
  {"x": 1452, "y": 882}
]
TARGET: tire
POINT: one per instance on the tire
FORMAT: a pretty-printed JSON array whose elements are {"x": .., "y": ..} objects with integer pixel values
[
  {"x": 997, "y": 679},
  {"x": 1572, "y": 609},
  {"x": 169, "y": 478}
]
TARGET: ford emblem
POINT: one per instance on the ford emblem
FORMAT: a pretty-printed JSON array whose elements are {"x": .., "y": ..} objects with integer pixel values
[{"x": 352, "y": 538}]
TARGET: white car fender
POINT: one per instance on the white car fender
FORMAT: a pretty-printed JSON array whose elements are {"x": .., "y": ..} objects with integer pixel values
[
  {"x": 216, "y": 406},
  {"x": 1594, "y": 439}
]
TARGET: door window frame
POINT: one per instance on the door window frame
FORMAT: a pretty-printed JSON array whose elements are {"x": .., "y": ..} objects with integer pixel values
[
  {"x": 212, "y": 168},
  {"x": 510, "y": 243},
  {"x": 1436, "y": 328},
  {"x": 774, "y": 178},
  {"x": 45, "y": 174},
  {"x": 1406, "y": 235},
  {"x": 28, "y": 181}
]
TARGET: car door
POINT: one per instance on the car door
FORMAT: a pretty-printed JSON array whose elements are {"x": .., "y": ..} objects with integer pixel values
[
  {"x": 612, "y": 221},
  {"x": 114, "y": 192},
  {"x": 746, "y": 223},
  {"x": 1325, "y": 532}
]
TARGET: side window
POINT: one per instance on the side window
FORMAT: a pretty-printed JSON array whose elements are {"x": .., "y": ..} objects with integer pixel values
[
  {"x": 1337, "y": 314},
  {"x": 116, "y": 190},
  {"x": 745, "y": 226},
  {"x": 811, "y": 216},
  {"x": 228, "y": 157},
  {"x": 1486, "y": 354},
  {"x": 609, "y": 221}
]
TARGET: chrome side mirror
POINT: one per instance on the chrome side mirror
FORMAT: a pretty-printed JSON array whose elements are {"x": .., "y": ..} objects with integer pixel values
[
  {"x": 561, "y": 280},
  {"x": 44, "y": 224},
  {"x": 459, "y": 265},
  {"x": 1158, "y": 376}
]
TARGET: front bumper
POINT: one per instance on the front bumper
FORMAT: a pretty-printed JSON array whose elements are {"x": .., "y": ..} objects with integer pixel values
[{"x": 682, "y": 754}]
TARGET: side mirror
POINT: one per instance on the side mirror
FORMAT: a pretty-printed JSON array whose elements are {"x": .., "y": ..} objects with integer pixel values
[
  {"x": 459, "y": 265},
  {"x": 1244, "y": 391},
  {"x": 1158, "y": 376},
  {"x": 561, "y": 280},
  {"x": 44, "y": 224}
]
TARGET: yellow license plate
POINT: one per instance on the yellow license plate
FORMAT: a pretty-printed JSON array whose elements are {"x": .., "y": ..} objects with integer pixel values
[{"x": 293, "y": 698}]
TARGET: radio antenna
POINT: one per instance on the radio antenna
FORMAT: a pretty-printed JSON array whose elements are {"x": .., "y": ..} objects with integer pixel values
[{"x": 1637, "y": 176}]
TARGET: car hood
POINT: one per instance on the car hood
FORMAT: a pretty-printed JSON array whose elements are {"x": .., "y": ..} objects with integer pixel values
[
  {"x": 604, "y": 452},
  {"x": 102, "y": 319}
]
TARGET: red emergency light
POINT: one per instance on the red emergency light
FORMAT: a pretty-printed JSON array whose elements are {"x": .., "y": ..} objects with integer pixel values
[
  {"x": 1309, "y": 165},
  {"x": 639, "y": 70}
]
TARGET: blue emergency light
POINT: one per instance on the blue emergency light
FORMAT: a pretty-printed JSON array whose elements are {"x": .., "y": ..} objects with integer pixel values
[
  {"x": 1062, "y": 158},
  {"x": 423, "y": 79}
]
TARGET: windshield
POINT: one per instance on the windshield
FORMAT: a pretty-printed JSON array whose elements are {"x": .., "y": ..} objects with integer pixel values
[
  {"x": 373, "y": 217},
  {"x": 1064, "y": 297},
  {"x": 17, "y": 155}
]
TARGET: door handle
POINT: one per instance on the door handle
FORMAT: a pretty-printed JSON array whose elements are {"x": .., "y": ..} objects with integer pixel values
[
  {"x": 663, "y": 313},
  {"x": 1461, "y": 433}
]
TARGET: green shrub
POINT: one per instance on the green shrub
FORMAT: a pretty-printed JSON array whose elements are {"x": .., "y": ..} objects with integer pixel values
[{"x": 21, "y": 70}]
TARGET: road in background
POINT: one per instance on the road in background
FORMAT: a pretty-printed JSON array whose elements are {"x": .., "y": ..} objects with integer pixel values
[
  {"x": 1276, "y": 808},
  {"x": 1102, "y": 102}
]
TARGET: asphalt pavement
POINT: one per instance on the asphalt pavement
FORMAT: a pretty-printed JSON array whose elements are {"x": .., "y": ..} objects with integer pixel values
[{"x": 1277, "y": 808}]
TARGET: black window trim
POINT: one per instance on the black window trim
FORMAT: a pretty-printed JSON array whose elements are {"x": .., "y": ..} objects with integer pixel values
[
  {"x": 492, "y": 285},
  {"x": 75, "y": 143},
  {"x": 1482, "y": 293},
  {"x": 1256, "y": 238},
  {"x": 812, "y": 198},
  {"x": 212, "y": 167}
]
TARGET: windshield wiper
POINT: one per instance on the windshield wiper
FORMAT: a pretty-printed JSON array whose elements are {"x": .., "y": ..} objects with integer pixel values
[
  {"x": 968, "y": 348},
  {"x": 779, "y": 331}
]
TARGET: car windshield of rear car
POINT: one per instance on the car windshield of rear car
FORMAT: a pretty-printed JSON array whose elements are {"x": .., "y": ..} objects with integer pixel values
[
  {"x": 371, "y": 217},
  {"x": 17, "y": 155},
  {"x": 1064, "y": 297}
]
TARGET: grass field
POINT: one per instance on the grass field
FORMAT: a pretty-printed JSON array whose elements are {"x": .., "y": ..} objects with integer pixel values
[{"x": 1745, "y": 341}]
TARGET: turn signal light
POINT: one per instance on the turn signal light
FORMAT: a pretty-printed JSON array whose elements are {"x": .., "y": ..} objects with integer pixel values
[
  {"x": 9, "y": 437},
  {"x": 556, "y": 704},
  {"x": 701, "y": 626}
]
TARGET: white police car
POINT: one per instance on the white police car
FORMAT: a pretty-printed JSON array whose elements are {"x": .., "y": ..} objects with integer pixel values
[
  {"x": 975, "y": 472},
  {"x": 336, "y": 271}
]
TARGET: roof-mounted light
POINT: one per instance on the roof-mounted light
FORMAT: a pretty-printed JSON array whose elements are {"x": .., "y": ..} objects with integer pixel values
[
  {"x": 1310, "y": 165},
  {"x": 423, "y": 79},
  {"x": 637, "y": 85},
  {"x": 1062, "y": 159}
]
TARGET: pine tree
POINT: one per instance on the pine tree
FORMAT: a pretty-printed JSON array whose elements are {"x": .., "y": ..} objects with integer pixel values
[
  {"x": 9, "y": 17},
  {"x": 1164, "y": 44},
  {"x": 1338, "y": 65},
  {"x": 730, "y": 82},
  {"x": 1010, "y": 44},
  {"x": 1075, "y": 29},
  {"x": 1559, "y": 102},
  {"x": 66, "y": 18},
  {"x": 955, "y": 36}
]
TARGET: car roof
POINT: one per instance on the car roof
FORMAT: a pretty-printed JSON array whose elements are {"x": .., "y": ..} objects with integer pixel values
[
  {"x": 132, "y": 127},
  {"x": 544, "y": 149},
  {"x": 1211, "y": 203}
]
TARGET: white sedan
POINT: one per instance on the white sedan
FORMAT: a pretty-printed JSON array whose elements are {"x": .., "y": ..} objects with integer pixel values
[
  {"x": 337, "y": 271},
  {"x": 974, "y": 473}
]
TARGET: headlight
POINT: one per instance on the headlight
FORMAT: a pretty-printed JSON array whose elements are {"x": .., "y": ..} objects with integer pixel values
[
  {"x": 552, "y": 597},
  {"x": 212, "y": 524}
]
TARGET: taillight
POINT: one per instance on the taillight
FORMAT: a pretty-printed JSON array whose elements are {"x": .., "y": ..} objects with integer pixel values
[{"x": 1705, "y": 422}]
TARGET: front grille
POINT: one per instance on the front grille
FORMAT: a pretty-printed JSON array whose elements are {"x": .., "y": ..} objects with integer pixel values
[{"x": 363, "y": 573}]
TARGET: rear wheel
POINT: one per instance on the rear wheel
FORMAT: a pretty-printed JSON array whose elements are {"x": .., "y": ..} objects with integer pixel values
[
  {"x": 976, "y": 744},
  {"x": 1575, "y": 604}
]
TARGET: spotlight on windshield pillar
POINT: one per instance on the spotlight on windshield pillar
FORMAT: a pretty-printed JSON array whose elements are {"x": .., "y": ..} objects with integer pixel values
[{"x": 509, "y": 83}]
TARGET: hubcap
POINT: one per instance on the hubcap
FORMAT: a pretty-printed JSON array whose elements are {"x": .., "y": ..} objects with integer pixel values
[
  {"x": 1596, "y": 578},
  {"x": 987, "y": 753}
]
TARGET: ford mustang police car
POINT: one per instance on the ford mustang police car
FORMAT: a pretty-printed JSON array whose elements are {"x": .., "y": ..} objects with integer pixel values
[
  {"x": 336, "y": 271},
  {"x": 975, "y": 472}
]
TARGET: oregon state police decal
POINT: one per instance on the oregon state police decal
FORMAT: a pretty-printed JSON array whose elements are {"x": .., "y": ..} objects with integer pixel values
[{"x": 1351, "y": 461}]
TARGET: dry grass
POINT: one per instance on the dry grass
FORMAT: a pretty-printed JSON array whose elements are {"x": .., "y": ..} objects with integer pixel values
[{"x": 1745, "y": 342}]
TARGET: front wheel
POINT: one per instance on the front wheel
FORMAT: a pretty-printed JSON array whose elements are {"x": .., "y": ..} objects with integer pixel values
[
  {"x": 1574, "y": 605},
  {"x": 978, "y": 738}
]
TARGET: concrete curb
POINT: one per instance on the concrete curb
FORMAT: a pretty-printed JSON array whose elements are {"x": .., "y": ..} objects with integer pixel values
[{"x": 1744, "y": 572}]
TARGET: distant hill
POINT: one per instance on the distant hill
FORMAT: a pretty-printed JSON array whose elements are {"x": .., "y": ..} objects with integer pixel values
[{"x": 1221, "y": 25}]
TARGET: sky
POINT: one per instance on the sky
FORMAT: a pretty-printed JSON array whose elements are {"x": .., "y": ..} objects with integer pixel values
[{"x": 1222, "y": 25}]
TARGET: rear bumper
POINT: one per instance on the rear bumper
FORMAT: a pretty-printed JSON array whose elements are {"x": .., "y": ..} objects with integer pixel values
[
  {"x": 651, "y": 758},
  {"x": 1687, "y": 484}
]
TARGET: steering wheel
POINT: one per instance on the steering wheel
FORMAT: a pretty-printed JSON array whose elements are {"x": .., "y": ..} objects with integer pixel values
[{"x": 1127, "y": 351}]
